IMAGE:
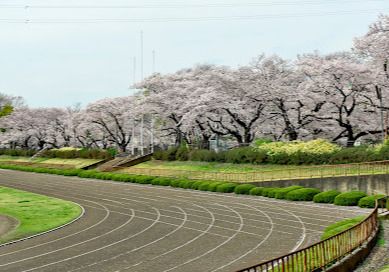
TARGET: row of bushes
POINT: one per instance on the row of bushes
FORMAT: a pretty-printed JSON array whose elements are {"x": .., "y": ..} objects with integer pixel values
[
  {"x": 292, "y": 153},
  {"x": 293, "y": 193},
  {"x": 18, "y": 152},
  {"x": 63, "y": 153}
]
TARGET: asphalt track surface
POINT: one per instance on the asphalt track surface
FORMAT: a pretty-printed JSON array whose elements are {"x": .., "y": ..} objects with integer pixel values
[{"x": 130, "y": 227}]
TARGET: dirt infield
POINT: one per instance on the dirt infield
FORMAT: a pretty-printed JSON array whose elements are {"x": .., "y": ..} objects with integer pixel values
[{"x": 129, "y": 227}]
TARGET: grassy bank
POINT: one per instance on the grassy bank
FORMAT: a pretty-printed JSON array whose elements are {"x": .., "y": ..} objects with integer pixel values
[
  {"x": 251, "y": 172},
  {"x": 75, "y": 163},
  {"x": 35, "y": 213}
]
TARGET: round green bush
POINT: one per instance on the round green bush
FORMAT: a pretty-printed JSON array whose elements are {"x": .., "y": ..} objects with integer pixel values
[
  {"x": 196, "y": 185},
  {"x": 281, "y": 193},
  {"x": 160, "y": 181},
  {"x": 243, "y": 189},
  {"x": 369, "y": 201},
  {"x": 267, "y": 190},
  {"x": 349, "y": 198},
  {"x": 256, "y": 191},
  {"x": 212, "y": 187},
  {"x": 326, "y": 197},
  {"x": 186, "y": 184},
  {"x": 304, "y": 194},
  {"x": 272, "y": 193},
  {"x": 226, "y": 187},
  {"x": 144, "y": 179},
  {"x": 175, "y": 183},
  {"x": 205, "y": 185}
]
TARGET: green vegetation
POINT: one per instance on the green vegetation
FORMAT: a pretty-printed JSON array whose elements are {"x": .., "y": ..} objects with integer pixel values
[
  {"x": 349, "y": 198},
  {"x": 282, "y": 192},
  {"x": 326, "y": 197},
  {"x": 369, "y": 201},
  {"x": 226, "y": 187},
  {"x": 243, "y": 189},
  {"x": 340, "y": 226},
  {"x": 290, "y": 153},
  {"x": 63, "y": 153},
  {"x": 73, "y": 163},
  {"x": 256, "y": 191},
  {"x": 35, "y": 213},
  {"x": 294, "y": 193},
  {"x": 304, "y": 194}
]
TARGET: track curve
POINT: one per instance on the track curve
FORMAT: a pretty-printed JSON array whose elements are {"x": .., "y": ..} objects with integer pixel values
[{"x": 130, "y": 227}]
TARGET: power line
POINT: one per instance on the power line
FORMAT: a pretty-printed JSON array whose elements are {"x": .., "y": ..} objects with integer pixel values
[
  {"x": 179, "y": 6},
  {"x": 183, "y": 19}
]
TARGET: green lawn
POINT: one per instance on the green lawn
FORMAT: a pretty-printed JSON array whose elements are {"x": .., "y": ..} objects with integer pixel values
[
  {"x": 35, "y": 213},
  {"x": 249, "y": 172},
  {"x": 76, "y": 163}
]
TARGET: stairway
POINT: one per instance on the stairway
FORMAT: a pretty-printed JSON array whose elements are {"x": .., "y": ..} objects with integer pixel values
[{"x": 121, "y": 162}]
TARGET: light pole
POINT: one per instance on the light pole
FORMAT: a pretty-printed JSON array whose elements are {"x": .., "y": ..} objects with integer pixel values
[{"x": 379, "y": 96}]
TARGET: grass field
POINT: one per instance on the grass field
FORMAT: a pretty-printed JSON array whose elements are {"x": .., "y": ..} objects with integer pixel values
[
  {"x": 35, "y": 213},
  {"x": 247, "y": 172},
  {"x": 76, "y": 163}
]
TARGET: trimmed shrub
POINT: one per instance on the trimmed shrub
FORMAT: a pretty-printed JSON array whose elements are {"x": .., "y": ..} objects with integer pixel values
[
  {"x": 369, "y": 201},
  {"x": 196, "y": 184},
  {"x": 272, "y": 193},
  {"x": 212, "y": 187},
  {"x": 326, "y": 197},
  {"x": 256, "y": 191},
  {"x": 266, "y": 191},
  {"x": 143, "y": 179},
  {"x": 186, "y": 184},
  {"x": 228, "y": 187},
  {"x": 349, "y": 198},
  {"x": 304, "y": 194},
  {"x": 340, "y": 226},
  {"x": 243, "y": 189},
  {"x": 161, "y": 181},
  {"x": 205, "y": 185},
  {"x": 281, "y": 193},
  {"x": 175, "y": 183}
]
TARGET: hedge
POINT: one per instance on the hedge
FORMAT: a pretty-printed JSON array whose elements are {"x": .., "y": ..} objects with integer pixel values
[
  {"x": 304, "y": 194},
  {"x": 369, "y": 201},
  {"x": 243, "y": 189},
  {"x": 212, "y": 187},
  {"x": 226, "y": 187},
  {"x": 256, "y": 191},
  {"x": 266, "y": 190},
  {"x": 282, "y": 192},
  {"x": 349, "y": 198},
  {"x": 326, "y": 197},
  {"x": 205, "y": 185}
]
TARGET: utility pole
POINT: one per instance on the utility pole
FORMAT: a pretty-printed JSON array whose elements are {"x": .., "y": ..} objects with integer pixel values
[
  {"x": 141, "y": 135},
  {"x": 133, "y": 138},
  {"x": 152, "y": 134},
  {"x": 379, "y": 96}
]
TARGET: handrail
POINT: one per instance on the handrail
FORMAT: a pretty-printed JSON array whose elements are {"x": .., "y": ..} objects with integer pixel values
[{"x": 322, "y": 254}]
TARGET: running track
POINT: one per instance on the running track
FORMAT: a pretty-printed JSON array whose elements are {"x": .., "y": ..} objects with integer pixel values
[{"x": 129, "y": 227}]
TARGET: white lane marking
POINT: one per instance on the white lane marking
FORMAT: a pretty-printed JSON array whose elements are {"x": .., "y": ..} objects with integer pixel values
[
  {"x": 73, "y": 245},
  {"x": 97, "y": 249},
  {"x": 184, "y": 220},
  {"x": 191, "y": 221},
  {"x": 213, "y": 219},
  {"x": 257, "y": 246},
  {"x": 64, "y": 237},
  {"x": 215, "y": 248}
]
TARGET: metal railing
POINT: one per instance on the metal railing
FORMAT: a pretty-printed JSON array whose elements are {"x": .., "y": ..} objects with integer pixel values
[
  {"x": 323, "y": 254},
  {"x": 287, "y": 173}
]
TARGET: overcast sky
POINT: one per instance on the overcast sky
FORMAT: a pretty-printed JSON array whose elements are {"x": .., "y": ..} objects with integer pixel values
[{"x": 65, "y": 55}]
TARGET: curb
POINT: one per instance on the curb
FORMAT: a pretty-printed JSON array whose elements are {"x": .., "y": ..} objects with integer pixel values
[{"x": 48, "y": 231}]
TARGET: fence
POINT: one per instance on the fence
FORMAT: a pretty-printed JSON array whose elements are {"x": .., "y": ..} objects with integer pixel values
[
  {"x": 287, "y": 173},
  {"x": 322, "y": 254}
]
